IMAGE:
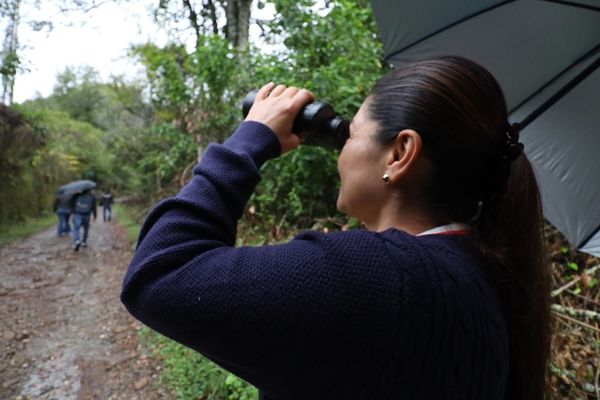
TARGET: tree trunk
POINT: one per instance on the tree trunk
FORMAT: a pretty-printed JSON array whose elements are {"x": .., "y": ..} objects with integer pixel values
[
  {"x": 200, "y": 148},
  {"x": 238, "y": 23},
  {"x": 10, "y": 61}
]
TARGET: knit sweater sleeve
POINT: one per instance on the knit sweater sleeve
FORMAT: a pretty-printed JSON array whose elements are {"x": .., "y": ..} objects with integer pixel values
[{"x": 278, "y": 316}]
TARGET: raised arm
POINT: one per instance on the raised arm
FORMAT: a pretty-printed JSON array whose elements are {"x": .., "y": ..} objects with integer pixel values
[{"x": 273, "y": 315}]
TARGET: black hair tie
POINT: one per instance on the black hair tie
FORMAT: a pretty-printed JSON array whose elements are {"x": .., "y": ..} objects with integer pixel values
[
  {"x": 500, "y": 171},
  {"x": 512, "y": 147}
]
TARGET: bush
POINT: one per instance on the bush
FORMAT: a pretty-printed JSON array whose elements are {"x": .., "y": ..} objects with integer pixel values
[{"x": 190, "y": 376}]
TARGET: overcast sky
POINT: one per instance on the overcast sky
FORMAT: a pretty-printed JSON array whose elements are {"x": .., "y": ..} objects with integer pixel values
[{"x": 99, "y": 38}]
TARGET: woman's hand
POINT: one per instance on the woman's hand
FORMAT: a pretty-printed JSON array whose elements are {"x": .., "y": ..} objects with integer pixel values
[{"x": 277, "y": 107}]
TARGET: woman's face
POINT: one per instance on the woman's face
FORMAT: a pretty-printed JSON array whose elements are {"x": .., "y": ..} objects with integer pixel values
[{"x": 361, "y": 166}]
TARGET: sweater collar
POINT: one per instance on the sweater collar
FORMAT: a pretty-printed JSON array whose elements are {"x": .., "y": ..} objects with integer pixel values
[{"x": 449, "y": 229}]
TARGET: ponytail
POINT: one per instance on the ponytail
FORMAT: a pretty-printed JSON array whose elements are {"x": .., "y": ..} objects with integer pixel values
[{"x": 510, "y": 233}]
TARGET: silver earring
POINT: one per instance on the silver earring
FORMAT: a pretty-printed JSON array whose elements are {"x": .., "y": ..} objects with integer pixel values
[{"x": 386, "y": 178}]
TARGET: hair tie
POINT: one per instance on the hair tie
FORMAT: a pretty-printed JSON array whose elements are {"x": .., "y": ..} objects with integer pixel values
[{"x": 512, "y": 147}]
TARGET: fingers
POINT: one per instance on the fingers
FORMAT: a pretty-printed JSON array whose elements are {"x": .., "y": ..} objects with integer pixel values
[
  {"x": 279, "y": 89},
  {"x": 264, "y": 91},
  {"x": 276, "y": 106},
  {"x": 273, "y": 90},
  {"x": 304, "y": 96}
]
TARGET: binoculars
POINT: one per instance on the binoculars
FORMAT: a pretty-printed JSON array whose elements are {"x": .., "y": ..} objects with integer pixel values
[{"x": 317, "y": 123}]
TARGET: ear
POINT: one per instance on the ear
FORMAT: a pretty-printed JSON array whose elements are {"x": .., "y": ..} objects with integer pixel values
[{"x": 403, "y": 154}]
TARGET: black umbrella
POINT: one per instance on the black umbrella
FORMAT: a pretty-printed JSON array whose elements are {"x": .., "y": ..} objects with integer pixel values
[
  {"x": 546, "y": 56},
  {"x": 72, "y": 188}
]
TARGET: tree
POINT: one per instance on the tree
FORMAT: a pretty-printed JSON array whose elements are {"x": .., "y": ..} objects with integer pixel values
[
  {"x": 195, "y": 91},
  {"x": 10, "y": 62},
  {"x": 334, "y": 51},
  {"x": 10, "y": 59},
  {"x": 206, "y": 17}
]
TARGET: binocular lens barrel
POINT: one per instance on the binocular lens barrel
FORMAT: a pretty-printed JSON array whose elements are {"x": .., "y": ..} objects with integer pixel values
[{"x": 317, "y": 123}]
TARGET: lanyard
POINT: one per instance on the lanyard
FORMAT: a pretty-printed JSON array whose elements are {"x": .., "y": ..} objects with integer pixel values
[{"x": 449, "y": 229}]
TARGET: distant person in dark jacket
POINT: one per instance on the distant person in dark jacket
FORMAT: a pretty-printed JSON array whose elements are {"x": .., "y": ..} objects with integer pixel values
[
  {"x": 62, "y": 208},
  {"x": 107, "y": 201},
  {"x": 84, "y": 206},
  {"x": 444, "y": 295}
]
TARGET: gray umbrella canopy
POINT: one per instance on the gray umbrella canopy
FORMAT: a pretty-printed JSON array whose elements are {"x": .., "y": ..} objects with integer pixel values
[
  {"x": 71, "y": 188},
  {"x": 546, "y": 57}
]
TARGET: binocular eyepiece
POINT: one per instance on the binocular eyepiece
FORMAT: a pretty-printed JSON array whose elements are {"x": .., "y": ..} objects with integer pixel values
[{"x": 317, "y": 123}]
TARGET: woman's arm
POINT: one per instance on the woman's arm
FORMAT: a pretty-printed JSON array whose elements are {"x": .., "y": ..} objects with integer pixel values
[{"x": 274, "y": 315}]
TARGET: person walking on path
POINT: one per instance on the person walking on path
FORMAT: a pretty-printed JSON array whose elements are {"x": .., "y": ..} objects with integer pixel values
[
  {"x": 84, "y": 205},
  {"x": 62, "y": 208},
  {"x": 107, "y": 201},
  {"x": 444, "y": 295}
]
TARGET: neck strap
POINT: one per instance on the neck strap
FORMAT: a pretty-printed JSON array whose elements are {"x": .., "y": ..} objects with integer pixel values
[{"x": 449, "y": 229}]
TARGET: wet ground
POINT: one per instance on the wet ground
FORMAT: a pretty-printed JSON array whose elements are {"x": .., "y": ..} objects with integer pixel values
[{"x": 64, "y": 333}]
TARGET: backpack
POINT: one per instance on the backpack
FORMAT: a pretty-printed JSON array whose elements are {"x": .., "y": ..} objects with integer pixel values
[{"x": 84, "y": 204}]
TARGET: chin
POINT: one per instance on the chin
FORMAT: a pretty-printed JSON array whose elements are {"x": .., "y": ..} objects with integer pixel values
[
  {"x": 340, "y": 204},
  {"x": 342, "y": 207}
]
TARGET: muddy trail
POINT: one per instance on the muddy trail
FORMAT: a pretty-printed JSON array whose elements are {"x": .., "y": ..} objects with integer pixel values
[{"x": 64, "y": 333}]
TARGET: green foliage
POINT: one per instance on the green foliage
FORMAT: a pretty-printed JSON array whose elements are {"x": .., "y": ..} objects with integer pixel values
[
  {"x": 77, "y": 146},
  {"x": 164, "y": 153},
  {"x": 573, "y": 266},
  {"x": 125, "y": 215},
  {"x": 27, "y": 173},
  {"x": 301, "y": 185},
  {"x": 189, "y": 375},
  {"x": 196, "y": 91},
  {"x": 77, "y": 93},
  {"x": 335, "y": 53}
]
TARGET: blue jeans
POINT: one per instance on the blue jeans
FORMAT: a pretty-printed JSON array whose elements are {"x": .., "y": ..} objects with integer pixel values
[
  {"x": 80, "y": 220},
  {"x": 106, "y": 214},
  {"x": 63, "y": 222}
]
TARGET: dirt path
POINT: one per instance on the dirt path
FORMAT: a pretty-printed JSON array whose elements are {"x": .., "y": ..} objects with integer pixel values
[{"x": 64, "y": 333}]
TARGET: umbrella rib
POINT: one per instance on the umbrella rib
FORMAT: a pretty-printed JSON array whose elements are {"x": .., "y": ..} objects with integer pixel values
[
  {"x": 588, "y": 238},
  {"x": 573, "y": 4},
  {"x": 448, "y": 27},
  {"x": 562, "y": 92}
]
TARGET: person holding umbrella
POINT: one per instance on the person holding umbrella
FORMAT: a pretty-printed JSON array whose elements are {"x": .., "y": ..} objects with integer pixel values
[
  {"x": 84, "y": 206},
  {"x": 445, "y": 294}
]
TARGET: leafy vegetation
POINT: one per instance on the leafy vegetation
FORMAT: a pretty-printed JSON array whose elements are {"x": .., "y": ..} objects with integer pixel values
[{"x": 189, "y": 375}]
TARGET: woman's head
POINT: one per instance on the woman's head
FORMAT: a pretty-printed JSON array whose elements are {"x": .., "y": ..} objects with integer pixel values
[{"x": 458, "y": 109}]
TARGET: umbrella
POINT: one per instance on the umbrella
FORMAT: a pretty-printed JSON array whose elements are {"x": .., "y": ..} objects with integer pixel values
[
  {"x": 546, "y": 56},
  {"x": 72, "y": 188}
]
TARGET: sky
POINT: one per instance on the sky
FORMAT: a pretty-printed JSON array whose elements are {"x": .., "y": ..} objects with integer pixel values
[{"x": 98, "y": 38}]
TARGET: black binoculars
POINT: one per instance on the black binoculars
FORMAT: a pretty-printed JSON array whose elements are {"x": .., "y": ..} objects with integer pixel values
[{"x": 317, "y": 123}]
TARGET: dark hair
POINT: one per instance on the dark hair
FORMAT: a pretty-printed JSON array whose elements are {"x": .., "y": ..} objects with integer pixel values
[{"x": 459, "y": 110}]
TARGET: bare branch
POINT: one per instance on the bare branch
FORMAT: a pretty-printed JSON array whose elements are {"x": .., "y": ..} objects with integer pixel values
[
  {"x": 578, "y": 322},
  {"x": 213, "y": 16},
  {"x": 589, "y": 272},
  {"x": 576, "y": 311},
  {"x": 193, "y": 17}
]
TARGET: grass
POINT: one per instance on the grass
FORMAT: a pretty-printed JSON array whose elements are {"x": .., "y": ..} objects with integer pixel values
[
  {"x": 190, "y": 376},
  {"x": 26, "y": 228},
  {"x": 125, "y": 216}
]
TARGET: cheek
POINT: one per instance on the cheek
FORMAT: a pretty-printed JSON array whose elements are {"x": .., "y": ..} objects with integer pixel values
[
  {"x": 343, "y": 172},
  {"x": 342, "y": 163}
]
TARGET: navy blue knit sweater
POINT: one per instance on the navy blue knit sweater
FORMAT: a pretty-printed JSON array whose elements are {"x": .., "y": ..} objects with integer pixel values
[{"x": 345, "y": 315}]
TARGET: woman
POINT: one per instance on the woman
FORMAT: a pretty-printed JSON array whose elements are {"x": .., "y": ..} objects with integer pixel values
[{"x": 444, "y": 295}]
